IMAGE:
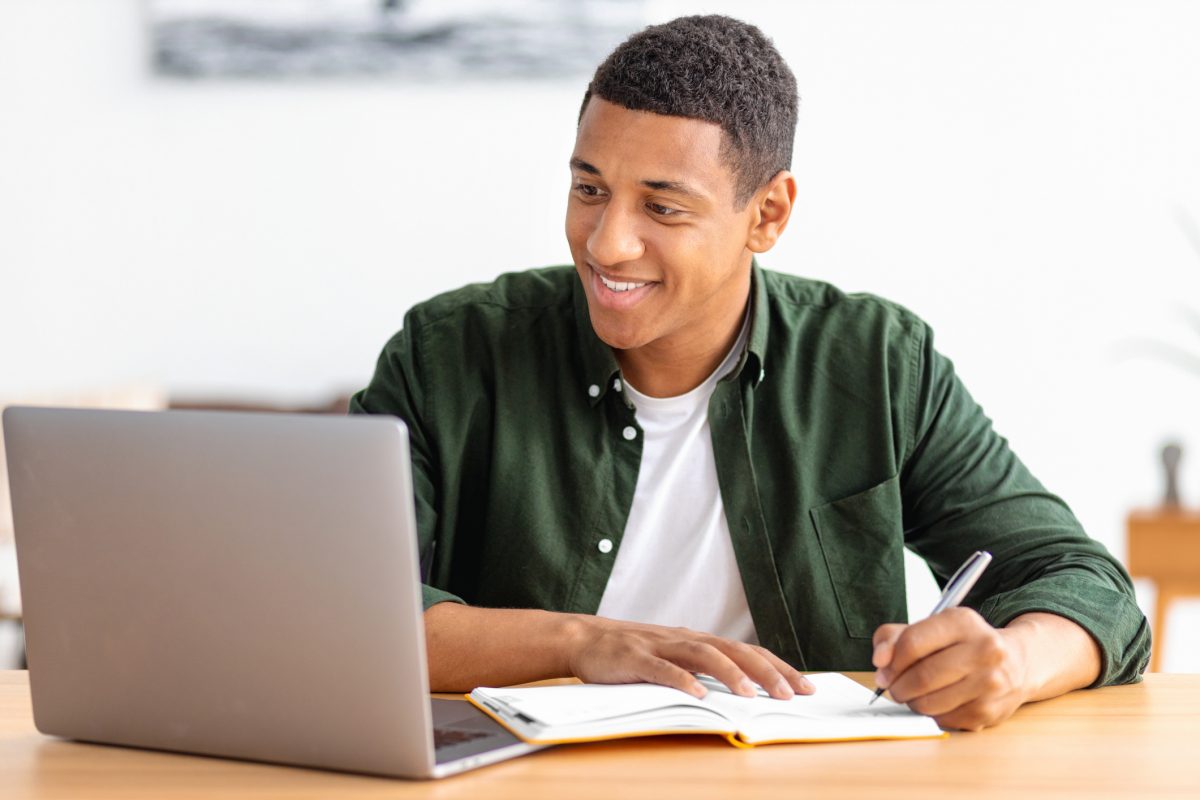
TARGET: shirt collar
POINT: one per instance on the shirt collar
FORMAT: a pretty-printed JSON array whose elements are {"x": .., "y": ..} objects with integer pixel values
[
  {"x": 753, "y": 359},
  {"x": 600, "y": 367}
]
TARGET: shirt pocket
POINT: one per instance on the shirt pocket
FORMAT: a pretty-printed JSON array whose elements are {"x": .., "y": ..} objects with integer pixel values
[{"x": 862, "y": 541}]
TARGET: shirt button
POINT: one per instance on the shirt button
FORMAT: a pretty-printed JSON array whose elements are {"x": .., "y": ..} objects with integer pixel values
[
  {"x": 630, "y": 433},
  {"x": 617, "y": 384},
  {"x": 593, "y": 391},
  {"x": 604, "y": 545}
]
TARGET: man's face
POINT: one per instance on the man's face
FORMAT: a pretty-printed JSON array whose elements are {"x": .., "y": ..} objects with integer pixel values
[{"x": 652, "y": 207}]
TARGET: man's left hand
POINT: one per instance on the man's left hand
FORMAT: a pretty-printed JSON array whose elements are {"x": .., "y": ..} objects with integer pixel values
[{"x": 954, "y": 667}]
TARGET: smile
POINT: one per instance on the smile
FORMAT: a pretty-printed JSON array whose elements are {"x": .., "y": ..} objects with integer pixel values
[
  {"x": 618, "y": 286},
  {"x": 617, "y": 295}
]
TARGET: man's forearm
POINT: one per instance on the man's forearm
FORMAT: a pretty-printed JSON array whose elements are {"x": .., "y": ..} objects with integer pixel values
[
  {"x": 468, "y": 647},
  {"x": 1059, "y": 655}
]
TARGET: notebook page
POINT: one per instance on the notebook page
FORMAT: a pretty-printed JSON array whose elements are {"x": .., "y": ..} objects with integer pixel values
[{"x": 838, "y": 709}]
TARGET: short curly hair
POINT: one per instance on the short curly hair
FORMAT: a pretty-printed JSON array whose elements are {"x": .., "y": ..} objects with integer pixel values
[{"x": 713, "y": 68}]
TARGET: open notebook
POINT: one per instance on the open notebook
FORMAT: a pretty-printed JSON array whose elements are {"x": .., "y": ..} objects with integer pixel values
[{"x": 837, "y": 711}]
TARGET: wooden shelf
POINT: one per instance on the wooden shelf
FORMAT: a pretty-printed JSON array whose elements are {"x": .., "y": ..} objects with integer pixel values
[{"x": 1164, "y": 546}]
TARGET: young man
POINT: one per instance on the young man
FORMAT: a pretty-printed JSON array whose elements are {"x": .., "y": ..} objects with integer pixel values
[{"x": 668, "y": 460}]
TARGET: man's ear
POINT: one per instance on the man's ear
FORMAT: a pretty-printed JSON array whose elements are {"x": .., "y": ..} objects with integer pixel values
[{"x": 772, "y": 206}]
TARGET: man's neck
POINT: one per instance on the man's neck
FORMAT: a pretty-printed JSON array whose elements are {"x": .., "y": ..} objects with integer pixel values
[{"x": 675, "y": 366}]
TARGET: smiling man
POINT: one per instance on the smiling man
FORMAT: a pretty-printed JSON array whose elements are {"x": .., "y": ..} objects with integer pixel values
[{"x": 668, "y": 460}]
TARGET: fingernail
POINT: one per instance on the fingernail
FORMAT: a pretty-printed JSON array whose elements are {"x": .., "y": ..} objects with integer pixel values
[
  {"x": 807, "y": 685},
  {"x": 747, "y": 688},
  {"x": 698, "y": 690},
  {"x": 785, "y": 689},
  {"x": 881, "y": 677}
]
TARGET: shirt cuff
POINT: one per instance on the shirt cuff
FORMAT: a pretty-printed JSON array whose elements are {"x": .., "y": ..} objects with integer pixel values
[
  {"x": 1111, "y": 617},
  {"x": 431, "y": 597}
]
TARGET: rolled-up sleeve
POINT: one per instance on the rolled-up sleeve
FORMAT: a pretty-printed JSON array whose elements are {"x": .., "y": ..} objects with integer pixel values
[{"x": 965, "y": 490}]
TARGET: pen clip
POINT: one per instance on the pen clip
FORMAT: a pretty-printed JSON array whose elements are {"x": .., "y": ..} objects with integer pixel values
[
  {"x": 966, "y": 565},
  {"x": 960, "y": 582}
]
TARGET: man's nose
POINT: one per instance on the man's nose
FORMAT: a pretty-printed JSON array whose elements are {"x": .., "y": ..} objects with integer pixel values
[{"x": 615, "y": 239}]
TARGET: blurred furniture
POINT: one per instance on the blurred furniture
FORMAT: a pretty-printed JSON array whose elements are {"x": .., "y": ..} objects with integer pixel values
[
  {"x": 1119, "y": 741},
  {"x": 1164, "y": 546},
  {"x": 337, "y": 404}
]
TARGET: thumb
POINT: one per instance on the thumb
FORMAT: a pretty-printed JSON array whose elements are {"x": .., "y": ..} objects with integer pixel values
[{"x": 885, "y": 641}]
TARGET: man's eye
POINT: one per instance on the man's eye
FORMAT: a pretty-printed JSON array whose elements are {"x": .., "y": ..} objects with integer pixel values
[
  {"x": 587, "y": 190},
  {"x": 661, "y": 210}
]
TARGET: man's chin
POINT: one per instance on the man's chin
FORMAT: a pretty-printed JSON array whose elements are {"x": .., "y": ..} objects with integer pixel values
[
  {"x": 621, "y": 342},
  {"x": 620, "y": 337}
]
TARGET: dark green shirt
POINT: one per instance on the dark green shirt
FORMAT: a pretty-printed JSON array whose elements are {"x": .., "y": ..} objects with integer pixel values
[{"x": 840, "y": 438}]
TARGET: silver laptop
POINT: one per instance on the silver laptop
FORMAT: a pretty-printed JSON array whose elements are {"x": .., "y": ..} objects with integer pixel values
[{"x": 238, "y": 585}]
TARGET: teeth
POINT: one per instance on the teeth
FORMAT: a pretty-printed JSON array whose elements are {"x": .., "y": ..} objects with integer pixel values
[{"x": 619, "y": 286}]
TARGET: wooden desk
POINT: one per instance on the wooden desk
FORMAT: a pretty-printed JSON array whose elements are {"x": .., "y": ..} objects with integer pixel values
[
  {"x": 1164, "y": 546},
  {"x": 1124, "y": 741}
]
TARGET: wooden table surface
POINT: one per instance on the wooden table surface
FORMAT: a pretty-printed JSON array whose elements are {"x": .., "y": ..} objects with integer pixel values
[{"x": 1127, "y": 741}]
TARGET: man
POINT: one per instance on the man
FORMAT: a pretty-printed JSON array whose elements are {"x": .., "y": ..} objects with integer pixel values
[{"x": 669, "y": 460}]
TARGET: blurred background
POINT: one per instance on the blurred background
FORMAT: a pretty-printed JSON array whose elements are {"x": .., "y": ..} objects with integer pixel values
[{"x": 233, "y": 204}]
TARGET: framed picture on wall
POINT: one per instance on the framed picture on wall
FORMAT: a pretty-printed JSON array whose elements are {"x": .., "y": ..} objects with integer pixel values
[{"x": 403, "y": 39}]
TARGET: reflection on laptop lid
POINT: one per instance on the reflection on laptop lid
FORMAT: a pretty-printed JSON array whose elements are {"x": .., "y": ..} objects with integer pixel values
[{"x": 240, "y": 585}]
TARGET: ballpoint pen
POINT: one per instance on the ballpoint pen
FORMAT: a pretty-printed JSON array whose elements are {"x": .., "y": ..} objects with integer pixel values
[{"x": 956, "y": 589}]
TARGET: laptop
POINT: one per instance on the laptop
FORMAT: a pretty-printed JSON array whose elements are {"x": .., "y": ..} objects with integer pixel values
[{"x": 231, "y": 584}]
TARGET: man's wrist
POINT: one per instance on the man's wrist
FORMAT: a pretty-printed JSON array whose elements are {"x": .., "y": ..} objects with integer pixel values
[
  {"x": 1018, "y": 636},
  {"x": 1055, "y": 654},
  {"x": 574, "y": 632}
]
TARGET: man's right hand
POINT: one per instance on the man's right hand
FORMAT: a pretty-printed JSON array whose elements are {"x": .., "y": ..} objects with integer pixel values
[{"x": 469, "y": 647}]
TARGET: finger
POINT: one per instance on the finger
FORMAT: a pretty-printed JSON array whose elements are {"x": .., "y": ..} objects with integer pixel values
[
  {"x": 947, "y": 699},
  {"x": 975, "y": 715},
  {"x": 663, "y": 672},
  {"x": 795, "y": 679},
  {"x": 884, "y": 641},
  {"x": 933, "y": 673},
  {"x": 758, "y": 668},
  {"x": 992, "y": 688},
  {"x": 923, "y": 639},
  {"x": 699, "y": 656}
]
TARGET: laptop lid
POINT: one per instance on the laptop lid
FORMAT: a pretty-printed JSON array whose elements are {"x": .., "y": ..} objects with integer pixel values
[{"x": 240, "y": 585}]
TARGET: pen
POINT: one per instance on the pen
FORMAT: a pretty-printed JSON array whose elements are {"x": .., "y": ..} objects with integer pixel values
[{"x": 956, "y": 589}]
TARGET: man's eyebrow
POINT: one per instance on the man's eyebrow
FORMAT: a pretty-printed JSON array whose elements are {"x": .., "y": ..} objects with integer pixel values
[
  {"x": 583, "y": 166},
  {"x": 674, "y": 186}
]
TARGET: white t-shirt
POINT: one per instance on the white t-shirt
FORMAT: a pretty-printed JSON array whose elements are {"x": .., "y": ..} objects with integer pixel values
[{"x": 675, "y": 565}]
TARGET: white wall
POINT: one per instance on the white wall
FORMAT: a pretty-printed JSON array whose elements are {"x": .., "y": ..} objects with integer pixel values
[{"x": 1008, "y": 170}]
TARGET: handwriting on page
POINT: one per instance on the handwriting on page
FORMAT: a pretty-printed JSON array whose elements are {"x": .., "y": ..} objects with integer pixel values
[{"x": 879, "y": 711}]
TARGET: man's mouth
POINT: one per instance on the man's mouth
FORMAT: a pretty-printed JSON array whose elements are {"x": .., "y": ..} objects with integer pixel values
[
  {"x": 616, "y": 293},
  {"x": 616, "y": 283},
  {"x": 621, "y": 286}
]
